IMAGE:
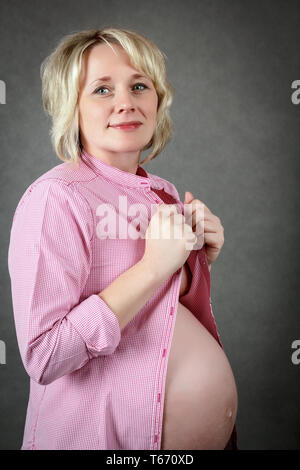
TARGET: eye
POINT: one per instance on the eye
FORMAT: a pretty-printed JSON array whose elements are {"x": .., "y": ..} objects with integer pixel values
[
  {"x": 105, "y": 88},
  {"x": 100, "y": 88},
  {"x": 141, "y": 84}
]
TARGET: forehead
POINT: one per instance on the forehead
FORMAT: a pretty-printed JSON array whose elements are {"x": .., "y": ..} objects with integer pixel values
[{"x": 102, "y": 59}]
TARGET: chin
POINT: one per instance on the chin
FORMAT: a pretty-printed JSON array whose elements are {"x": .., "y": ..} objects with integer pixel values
[{"x": 128, "y": 148}]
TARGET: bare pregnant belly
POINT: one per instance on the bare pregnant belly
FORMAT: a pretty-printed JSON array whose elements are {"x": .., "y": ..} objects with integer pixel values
[{"x": 200, "y": 402}]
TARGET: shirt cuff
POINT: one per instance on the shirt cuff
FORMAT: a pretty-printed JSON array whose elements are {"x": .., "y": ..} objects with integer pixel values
[{"x": 97, "y": 325}]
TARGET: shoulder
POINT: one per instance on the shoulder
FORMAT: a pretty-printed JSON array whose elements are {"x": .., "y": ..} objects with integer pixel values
[
  {"x": 68, "y": 173},
  {"x": 57, "y": 194},
  {"x": 64, "y": 179}
]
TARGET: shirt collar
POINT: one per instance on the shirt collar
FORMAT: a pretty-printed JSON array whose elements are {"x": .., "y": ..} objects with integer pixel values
[{"x": 139, "y": 180}]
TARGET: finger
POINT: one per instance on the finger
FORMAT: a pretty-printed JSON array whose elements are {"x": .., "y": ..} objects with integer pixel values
[
  {"x": 210, "y": 227},
  {"x": 188, "y": 197},
  {"x": 196, "y": 216},
  {"x": 195, "y": 202},
  {"x": 213, "y": 240},
  {"x": 178, "y": 219},
  {"x": 210, "y": 221},
  {"x": 168, "y": 208}
]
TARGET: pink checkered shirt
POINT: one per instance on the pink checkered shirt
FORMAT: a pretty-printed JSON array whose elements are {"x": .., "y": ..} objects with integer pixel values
[{"x": 91, "y": 385}]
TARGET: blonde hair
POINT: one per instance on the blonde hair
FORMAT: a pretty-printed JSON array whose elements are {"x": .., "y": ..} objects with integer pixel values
[{"x": 60, "y": 73}]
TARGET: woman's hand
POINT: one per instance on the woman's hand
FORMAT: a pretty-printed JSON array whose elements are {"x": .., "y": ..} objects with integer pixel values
[{"x": 213, "y": 229}]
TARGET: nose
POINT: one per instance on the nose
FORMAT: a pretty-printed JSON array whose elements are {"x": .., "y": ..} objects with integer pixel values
[{"x": 124, "y": 101}]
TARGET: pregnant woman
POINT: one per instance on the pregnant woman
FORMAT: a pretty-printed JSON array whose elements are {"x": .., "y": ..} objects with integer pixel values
[{"x": 114, "y": 324}]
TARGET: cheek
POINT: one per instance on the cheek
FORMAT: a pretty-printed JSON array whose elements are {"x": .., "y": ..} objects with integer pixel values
[
  {"x": 150, "y": 109},
  {"x": 90, "y": 108},
  {"x": 154, "y": 115},
  {"x": 92, "y": 115},
  {"x": 153, "y": 109}
]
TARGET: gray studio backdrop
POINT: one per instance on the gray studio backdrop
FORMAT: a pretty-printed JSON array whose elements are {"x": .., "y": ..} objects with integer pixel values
[{"x": 235, "y": 147}]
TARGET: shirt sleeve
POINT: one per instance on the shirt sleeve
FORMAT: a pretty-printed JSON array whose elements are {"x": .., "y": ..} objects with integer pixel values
[{"x": 49, "y": 261}]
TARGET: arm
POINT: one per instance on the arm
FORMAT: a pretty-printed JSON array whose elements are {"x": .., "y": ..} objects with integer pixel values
[
  {"x": 129, "y": 292},
  {"x": 49, "y": 263}
]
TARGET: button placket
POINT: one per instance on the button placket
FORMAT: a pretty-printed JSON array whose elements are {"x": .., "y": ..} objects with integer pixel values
[
  {"x": 156, "y": 198},
  {"x": 164, "y": 353},
  {"x": 172, "y": 308},
  {"x": 153, "y": 196}
]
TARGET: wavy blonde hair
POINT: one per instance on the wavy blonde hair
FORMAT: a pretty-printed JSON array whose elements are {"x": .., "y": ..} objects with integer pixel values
[{"x": 60, "y": 73}]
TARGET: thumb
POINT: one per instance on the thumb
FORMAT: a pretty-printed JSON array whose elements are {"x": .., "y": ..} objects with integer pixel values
[{"x": 188, "y": 197}]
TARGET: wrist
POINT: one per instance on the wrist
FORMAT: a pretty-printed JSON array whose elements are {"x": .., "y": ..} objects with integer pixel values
[
  {"x": 148, "y": 270},
  {"x": 156, "y": 273}
]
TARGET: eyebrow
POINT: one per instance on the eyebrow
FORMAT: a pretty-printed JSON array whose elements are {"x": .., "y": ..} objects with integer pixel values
[{"x": 107, "y": 78}]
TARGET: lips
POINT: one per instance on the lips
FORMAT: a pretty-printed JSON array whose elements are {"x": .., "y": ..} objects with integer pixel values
[{"x": 127, "y": 124}]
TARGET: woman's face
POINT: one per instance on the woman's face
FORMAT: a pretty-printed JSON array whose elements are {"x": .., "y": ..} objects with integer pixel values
[{"x": 117, "y": 98}]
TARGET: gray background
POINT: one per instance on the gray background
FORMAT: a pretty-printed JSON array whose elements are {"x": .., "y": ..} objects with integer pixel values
[{"x": 235, "y": 147}]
